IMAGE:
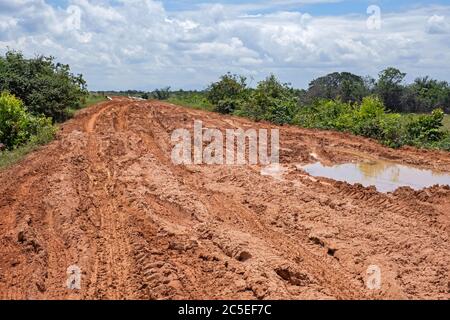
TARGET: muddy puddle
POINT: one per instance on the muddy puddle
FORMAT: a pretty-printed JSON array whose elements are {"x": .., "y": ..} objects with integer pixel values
[{"x": 385, "y": 176}]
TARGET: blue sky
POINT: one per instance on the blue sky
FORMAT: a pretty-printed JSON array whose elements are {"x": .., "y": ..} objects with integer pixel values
[
  {"x": 336, "y": 7},
  {"x": 145, "y": 44}
]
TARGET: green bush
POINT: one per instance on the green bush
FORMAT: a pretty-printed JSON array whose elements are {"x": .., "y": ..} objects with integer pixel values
[
  {"x": 271, "y": 100},
  {"x": 393, "y": 130},
  {"x": 161, "y": 94},
  {"x": 44, "y": 86},
  {"x": 225, "y": 94},
  {"x": 426, "y": 128},
  {"x": 370, "y": 119},
  {"x": 442, "y": 144},
  {"x": 326, "y": 114},
  {"x": 40, "y": 129},
  {"x": 18, "y": 127},
  {"x": 13, "y": 121}
]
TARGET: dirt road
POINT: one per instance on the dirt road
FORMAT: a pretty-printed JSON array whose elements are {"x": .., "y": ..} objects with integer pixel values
[{"x": 106, "y": 197}]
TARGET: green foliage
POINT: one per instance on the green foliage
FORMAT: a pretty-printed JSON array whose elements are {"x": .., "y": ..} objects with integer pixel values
[
  {"x": 357, "y": 113},
  {"x": 369, "y": 119},
  {"x": 17, "y": 126},
  {"x": 326, "y": 114},
  {"x": 225, "y": 93},
  {"x": 44, "y": 86},
  {"x": 93, "y": 98},
  {"x": 161, "y": 94},
  {"x": 271, "y": 101},
  {"x": 42, "y": 136},
  {"x": 345, "y": 86},
  {"x": 446, "y": 122},
  {"x": 426, "y": 128},
  {"x": 192, "y": 99},
  {"x": 13, "y": 121},
  {"x": 422, "y": 96},
  {"x": 389, "y": 87},
  {"x": 442, "y": 144},
  {"x": 426, "y": 94}
]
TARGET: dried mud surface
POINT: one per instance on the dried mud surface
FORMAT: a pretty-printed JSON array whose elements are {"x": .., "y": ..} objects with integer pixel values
[{"x": 105, "y": 196}]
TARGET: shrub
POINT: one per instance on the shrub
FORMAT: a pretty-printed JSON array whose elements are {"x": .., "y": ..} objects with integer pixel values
[
  {"x": 44, "y": 86},
  {"x": 426, "y": 128},
  {"x": 17, "y": 126},
  {"x": 161, "y": 94},
  {"x": 326, "y": 114},
  {"x": 40, "y": 129},
  {"x": 369, "y": 119},
  {"x": 443, "y": 144},
  {"x": 225, "y": 93},
  {"x": 13, "y": 121},
  {"x": 272, "y": 101},
  {"x": 393, "y": 130}
]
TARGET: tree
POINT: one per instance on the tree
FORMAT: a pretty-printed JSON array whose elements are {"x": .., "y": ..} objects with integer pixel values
[
  {"x": 430, "y": 94},
  {"x": 225, "y": 93},
  {"x": 162, "y": 94},
  {"x": 44, "y": 86},
  {"x": 390, "y": 88},
  {"x": 345, "y": 86}
]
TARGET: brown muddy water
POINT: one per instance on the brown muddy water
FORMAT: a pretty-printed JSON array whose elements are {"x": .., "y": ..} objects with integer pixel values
[{"x": 385, "y": 176}]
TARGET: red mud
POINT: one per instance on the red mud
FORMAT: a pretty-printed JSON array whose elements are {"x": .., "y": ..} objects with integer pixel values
[{"x": 105, "y": 196}]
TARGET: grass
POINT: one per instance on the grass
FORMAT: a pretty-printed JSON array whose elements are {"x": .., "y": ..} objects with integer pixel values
[
  {"x": 89, "y": 101},
  {"x": 10, "y": 157},
  {"x": 192, "y": 101},
  {"x": 447, "y": 121},
  {"x": 93, "y": 99}
]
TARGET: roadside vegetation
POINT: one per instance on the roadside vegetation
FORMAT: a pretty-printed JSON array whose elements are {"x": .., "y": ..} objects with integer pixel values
[
  {"x": 35, "y": 94},
  {"x": 20, "y": 130},
  {"x": 38, "y": 93},
  {"x": 192, "y": 99},
  {"x": 89, "y": 100},
  {"x": 386, "y": 109},
  {"x": 446, "y": 122},
  {"x": 93, "y": 98}
]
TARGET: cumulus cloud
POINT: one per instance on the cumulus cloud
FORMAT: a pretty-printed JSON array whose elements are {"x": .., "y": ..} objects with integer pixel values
[
  {"x": 140, "y": 44},
  {"x": 438, "y": 25}
]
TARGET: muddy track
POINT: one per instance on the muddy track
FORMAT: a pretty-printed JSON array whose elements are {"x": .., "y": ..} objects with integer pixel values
[{"x": 106, "y": 197}]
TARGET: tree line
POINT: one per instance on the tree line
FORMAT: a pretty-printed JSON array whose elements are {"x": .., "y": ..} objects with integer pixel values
[
  {"x": 422, "y": 96},
  {"x": 339, "y": 101}
]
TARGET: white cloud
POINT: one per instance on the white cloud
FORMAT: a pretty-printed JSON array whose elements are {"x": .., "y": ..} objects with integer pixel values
[
  {"x": 438, "y": 25},
  {"x": 139, "y": 44}
]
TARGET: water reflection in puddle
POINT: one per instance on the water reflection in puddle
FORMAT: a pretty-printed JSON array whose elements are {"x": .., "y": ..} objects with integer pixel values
[{"x": 385, "y": 176}]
